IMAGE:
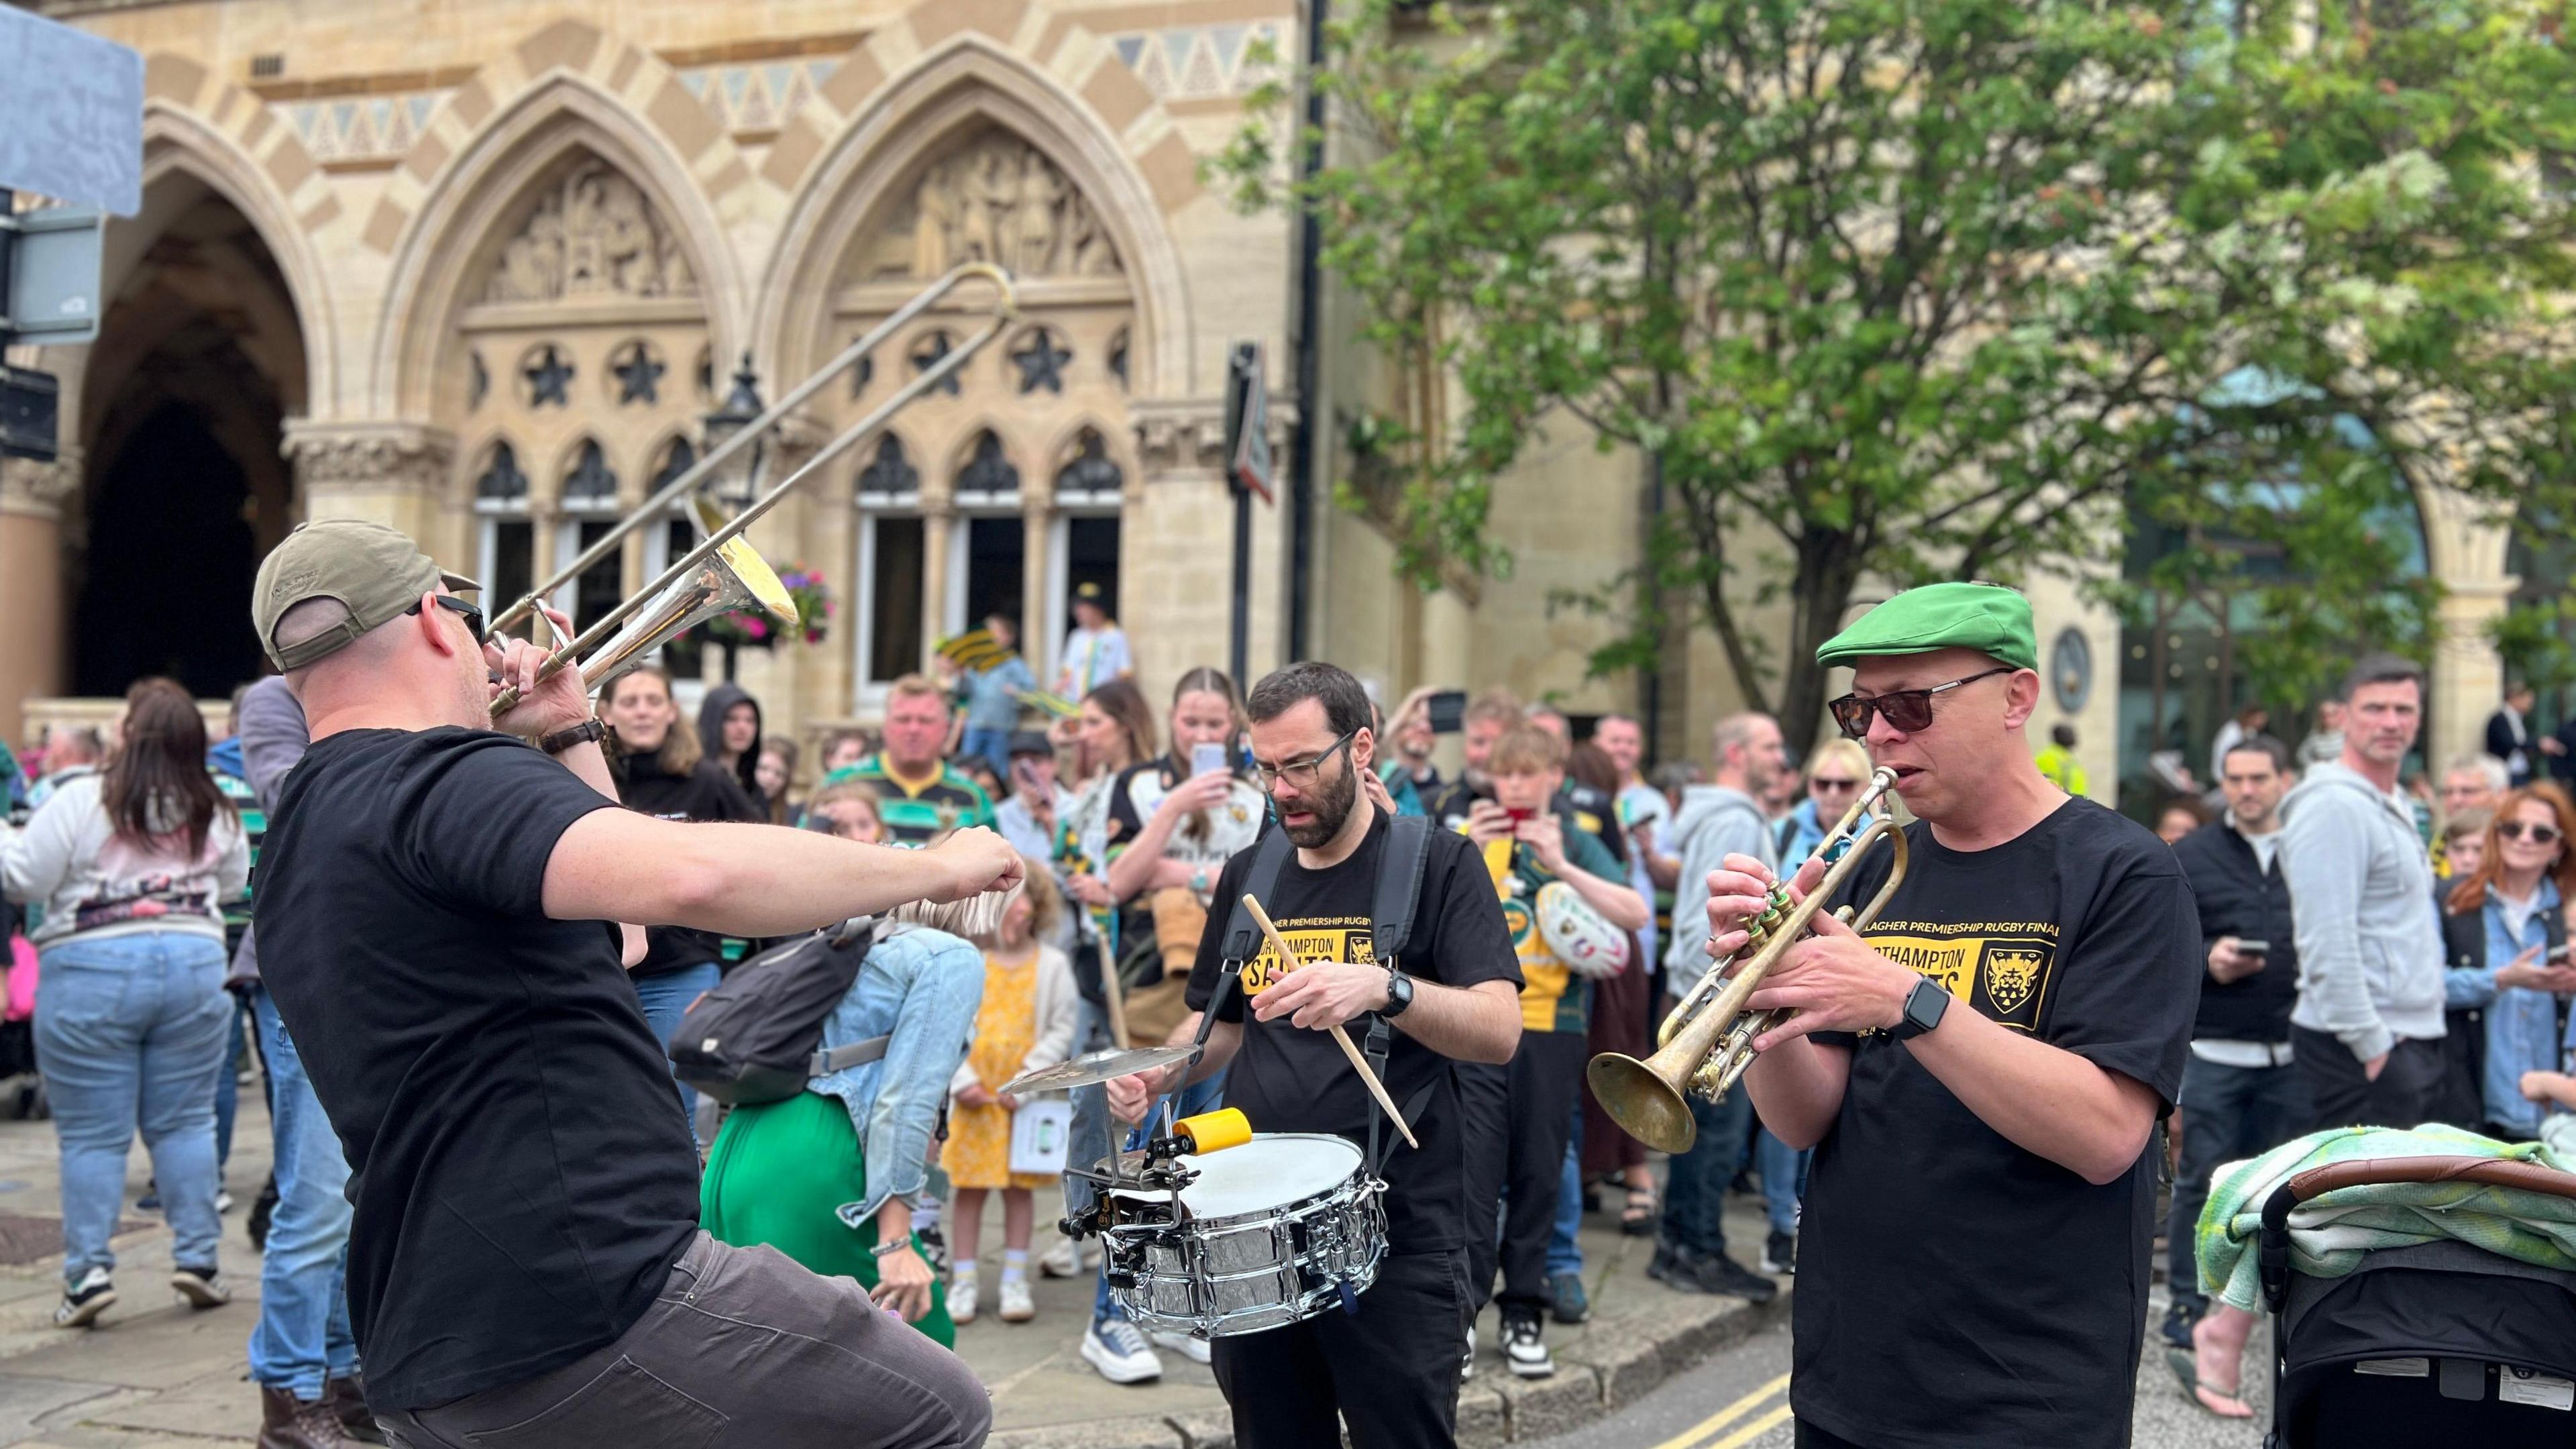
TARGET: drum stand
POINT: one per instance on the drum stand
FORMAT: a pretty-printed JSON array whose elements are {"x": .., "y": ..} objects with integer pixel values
[{"x": 1156, "y": 1167}]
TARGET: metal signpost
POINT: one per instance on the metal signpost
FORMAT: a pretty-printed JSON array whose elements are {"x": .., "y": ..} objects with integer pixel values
[
  {"x": 71, "y": 129},
  {"x": 1247, "y": 471}
]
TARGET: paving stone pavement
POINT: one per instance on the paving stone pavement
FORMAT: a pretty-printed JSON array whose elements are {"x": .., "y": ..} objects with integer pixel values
[{"x": 155, "y": 1375}]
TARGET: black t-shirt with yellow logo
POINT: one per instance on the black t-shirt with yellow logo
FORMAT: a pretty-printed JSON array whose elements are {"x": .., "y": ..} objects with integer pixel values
[
  {"x": 1953, "y": 1288},
  {"x": 1290, "y": 1079}
]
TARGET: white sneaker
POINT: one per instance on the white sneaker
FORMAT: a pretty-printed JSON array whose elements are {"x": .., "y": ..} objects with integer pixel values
[
  {"x": 85, "y": 1300},
  {"x": 223, "y": 1201},
  {"x": 1193, "y": 1349},
  {"x": 201, "y": 1287},
  {"x": 1467, "y": 1365},
  {"x": 962, "y": 1294},
  {"x": 1114, "y": 1347},
  {"x": 1017, "y": 1305},
  {"x": 1064, "y": 1260},
  {"x": 1524, "y": 1351}
]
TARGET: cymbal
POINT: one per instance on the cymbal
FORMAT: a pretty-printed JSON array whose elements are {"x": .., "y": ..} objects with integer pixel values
[{"x": 1092, "y": 1068}]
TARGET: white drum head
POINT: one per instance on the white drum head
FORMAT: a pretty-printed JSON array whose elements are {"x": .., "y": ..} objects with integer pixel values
[{"x": 1270, "y": 1171}]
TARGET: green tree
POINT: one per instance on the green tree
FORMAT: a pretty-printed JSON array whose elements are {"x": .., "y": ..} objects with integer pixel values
[{"x": 1922, "y": 289}]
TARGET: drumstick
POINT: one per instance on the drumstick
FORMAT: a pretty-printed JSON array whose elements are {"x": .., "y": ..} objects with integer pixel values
[{"x": 1288, "y": 962}]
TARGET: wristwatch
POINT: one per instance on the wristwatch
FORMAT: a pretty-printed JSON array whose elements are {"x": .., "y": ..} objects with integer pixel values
[
  {"x": 586, "y": 732},
  {"x": 1923, "y": 1008},
  {"x": 1399, "y": 993}
]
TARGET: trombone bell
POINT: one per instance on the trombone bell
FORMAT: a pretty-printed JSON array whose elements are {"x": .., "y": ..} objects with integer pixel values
[{"x": 735, "y": 580}]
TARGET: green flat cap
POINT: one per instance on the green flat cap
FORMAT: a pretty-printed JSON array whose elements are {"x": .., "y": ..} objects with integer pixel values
[
  {"x": 1988, "y": 618},
  {"x": 373, "y": 570}
]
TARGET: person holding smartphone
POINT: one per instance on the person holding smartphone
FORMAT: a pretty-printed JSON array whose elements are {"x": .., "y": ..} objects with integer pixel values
[{"x": 2241, "y": 1093}]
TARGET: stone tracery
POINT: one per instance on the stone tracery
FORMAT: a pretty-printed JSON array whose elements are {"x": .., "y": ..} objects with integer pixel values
[{"x": 592, "y": 233}]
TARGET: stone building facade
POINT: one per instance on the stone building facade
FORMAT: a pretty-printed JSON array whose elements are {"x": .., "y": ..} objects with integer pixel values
[{"x": 480, "y": 269}]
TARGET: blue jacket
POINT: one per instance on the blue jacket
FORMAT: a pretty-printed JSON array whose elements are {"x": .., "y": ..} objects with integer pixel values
[{"x": 922, "y": 987}]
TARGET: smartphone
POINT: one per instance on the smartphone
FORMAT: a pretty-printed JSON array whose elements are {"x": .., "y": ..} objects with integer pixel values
[
  {"x": 2253, "y": 948},
  {"x": 1207, "y": 760},
  {"x": 2557, "y": 956},
  {"x": 1518, "y": 816},
  {"x": 1447, "y": 711}
]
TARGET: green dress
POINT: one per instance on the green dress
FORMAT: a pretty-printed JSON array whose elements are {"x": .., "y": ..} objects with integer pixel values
[{"x": 778, "y": 1174}]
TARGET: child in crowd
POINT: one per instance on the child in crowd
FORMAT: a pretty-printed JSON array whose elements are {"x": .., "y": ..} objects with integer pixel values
[
  {"x": 1025, "y": 1022},
  {"x": 848, "y": 810}
]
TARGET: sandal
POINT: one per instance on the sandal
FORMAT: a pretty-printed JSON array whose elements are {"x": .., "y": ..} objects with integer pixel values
[
  {"x": 1638, "y": 1218},
  {"x": 2216, "y": 1403}
]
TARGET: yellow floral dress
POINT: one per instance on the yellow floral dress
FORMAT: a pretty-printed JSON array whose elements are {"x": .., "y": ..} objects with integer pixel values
[{"x": 978, "y": 1153}]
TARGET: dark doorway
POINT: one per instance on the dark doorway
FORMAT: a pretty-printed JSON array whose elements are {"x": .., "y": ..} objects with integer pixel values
[
  {"x": 1091, "y": 556},
  {"x": 994, "y": 572},
  {"x": 170, "y": 565}
]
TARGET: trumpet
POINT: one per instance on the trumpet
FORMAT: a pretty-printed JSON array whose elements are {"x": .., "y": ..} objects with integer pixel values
[
  {"x": 1707, "y": 1041},
  {"x": 723, "y": 573}
]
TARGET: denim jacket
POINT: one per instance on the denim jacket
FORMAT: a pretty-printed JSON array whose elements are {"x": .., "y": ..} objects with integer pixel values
[
  {"x": 922, "y": 987},
  {"x": 2522, "y": 1027}
]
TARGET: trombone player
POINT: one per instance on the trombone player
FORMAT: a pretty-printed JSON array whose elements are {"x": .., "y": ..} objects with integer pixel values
[
  {"x": 526, "y": 1241},
  {"x": 1981, "y": 1071}
]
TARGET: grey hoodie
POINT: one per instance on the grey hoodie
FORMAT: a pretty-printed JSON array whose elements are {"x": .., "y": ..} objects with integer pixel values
[
  {"x": 1715, "y": 821},
  {"x": 2361, "y": 893}
]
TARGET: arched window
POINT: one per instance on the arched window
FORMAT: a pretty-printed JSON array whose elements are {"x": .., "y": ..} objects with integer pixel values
[
  {"x": 989, "y": 478},
  {"x": 590, "y": 482},
  {"x": 1090, "y": 476},
  {"x": 889, "y": 479}
]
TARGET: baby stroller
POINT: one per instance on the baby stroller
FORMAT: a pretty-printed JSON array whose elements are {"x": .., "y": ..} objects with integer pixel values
[{"x": 2438, "y": 1343}]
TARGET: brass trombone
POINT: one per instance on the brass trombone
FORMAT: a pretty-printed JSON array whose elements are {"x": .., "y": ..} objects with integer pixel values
[
  {"x": 1707, "y": 1041},
  {"x": 724, "y": 573}
]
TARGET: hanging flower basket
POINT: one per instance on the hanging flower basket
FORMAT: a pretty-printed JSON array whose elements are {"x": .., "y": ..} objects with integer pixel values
[{"x": 814, "y": 606}]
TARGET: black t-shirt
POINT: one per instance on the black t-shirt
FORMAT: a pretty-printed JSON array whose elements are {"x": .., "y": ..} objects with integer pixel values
[
  {"x": 1953, "y": 1288},
  {"x": 522, "y": 1175},
  {"x": 707, "y": 792},
  {"x": 1289, "y": 1079}
]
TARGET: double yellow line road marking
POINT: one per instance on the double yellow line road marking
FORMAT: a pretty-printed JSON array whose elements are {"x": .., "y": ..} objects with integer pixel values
[{"x": 1714, "y": 1432}]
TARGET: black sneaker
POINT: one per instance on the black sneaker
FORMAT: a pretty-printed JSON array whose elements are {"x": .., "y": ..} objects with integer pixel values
[
  {"x": 1719, "y": 1273},
  {"x": 200, "y": 1288},
  {"x": 1780, "y": 1253},
  {"x": 2179, "y": 1321},
  {"x": 1565, "y": 1298},
  {"x": 1674, "y": 1268},
  {"x": 1525, "y": 1350},
  {"x": 85, "y": 1300}
]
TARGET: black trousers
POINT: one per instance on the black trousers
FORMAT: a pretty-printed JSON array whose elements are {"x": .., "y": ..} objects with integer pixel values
[
  {"x": 1388, "y": 1372},
  {"x": 1545, "y": 1077},
  {"x": 1811, "y": 1437},
  {"x": 2228, "y": 1114},
  {"x": 2407, "y": 1094},
  {"x": 1484, "y": 1124}
]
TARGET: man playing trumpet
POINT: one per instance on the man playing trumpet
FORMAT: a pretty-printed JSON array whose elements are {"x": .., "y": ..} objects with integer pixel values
[
  {"x": 1981, "y": 1072},
  {"x": 525, "y": 1263}
]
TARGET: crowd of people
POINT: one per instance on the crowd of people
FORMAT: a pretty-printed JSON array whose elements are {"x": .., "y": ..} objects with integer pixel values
[{"x": 2364, "y": 952}]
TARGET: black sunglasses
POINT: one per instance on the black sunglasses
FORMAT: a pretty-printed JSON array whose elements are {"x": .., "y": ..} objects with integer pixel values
[
  {"x": 454, "y": 605},
  {"x": 2517, "y": 829},
  {"x": 1905, "y": 710}
]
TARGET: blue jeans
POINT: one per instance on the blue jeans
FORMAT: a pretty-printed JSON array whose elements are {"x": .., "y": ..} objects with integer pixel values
[
  {"x": 228, "y": 1087},
  {"x": 130, "y": 1030},
  {"x": 1784, "y": 1179},
  {"x": 1564, "y": 1253},
  {"x": 302, "y": 1339},
  {"x": 993, "y": 745},
  {"x": 1695, "y": 1187},
  {"x": 2228, "y": 1115},
  {"x": 666, "y": 999}
]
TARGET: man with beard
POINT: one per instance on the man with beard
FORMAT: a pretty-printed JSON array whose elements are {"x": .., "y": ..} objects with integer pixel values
[{"x": 1389, "y": 1370}]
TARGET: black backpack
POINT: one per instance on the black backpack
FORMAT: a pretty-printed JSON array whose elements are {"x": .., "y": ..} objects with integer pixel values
[{"x": 757, "y": 1037}]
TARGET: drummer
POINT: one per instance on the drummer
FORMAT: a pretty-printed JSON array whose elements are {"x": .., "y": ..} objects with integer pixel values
[{"x": 1388, "y": 1372}]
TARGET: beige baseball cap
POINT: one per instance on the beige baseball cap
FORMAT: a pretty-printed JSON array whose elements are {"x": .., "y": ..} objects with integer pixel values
[{"x": 377, "y": 572}]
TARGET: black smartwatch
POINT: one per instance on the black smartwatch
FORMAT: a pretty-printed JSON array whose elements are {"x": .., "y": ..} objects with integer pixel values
[
  {"x": 1923, "y": 1008},
  {"x": 589, "y": 731},
  {"x": 1399, "y": 993}
]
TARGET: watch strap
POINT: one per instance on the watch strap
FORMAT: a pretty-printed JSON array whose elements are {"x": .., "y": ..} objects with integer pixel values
[
  {"x": 1922, "y": 1012},
  {"x": 589, "y": 731}
]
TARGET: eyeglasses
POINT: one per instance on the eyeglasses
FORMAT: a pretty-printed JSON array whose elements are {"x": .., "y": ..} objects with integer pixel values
[
  {"x": 1823, "y": 782},
  {"x": 1905, "y": 710},
  {"x": 454, "y": 605},
  {"x": 2538, "y": 834},
  {"x": 1301, "y": 773}
]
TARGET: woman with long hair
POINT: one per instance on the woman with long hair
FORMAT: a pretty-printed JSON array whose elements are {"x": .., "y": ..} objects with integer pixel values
[
  {"x": 133, "y": 866},
  {"x": 1173, "y": 824},
  {"x": 663, "y": 772},
  {"x": 2506, "y": 996}
]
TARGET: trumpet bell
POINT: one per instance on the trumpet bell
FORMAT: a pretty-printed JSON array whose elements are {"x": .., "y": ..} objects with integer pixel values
[
  {"x": 1644, "y": 1105},
  {"x": 736, "y": 579}
]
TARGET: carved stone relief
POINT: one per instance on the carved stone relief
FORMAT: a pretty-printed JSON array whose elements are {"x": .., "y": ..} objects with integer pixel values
[
  {"x": 364, "y": 458},
  {"x": 591, "y": 234},
  {"x": 995, "y": 199}
]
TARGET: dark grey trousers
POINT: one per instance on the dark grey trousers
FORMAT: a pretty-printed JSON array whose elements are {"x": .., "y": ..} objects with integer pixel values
[{"x": 743, "y": 1348}]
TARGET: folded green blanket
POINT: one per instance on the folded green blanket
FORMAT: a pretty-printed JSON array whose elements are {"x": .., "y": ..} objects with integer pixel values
[{"x": 2328, "y": 1234}]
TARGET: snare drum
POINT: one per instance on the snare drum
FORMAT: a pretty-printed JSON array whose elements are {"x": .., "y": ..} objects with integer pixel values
[{"x": 1272, "y": 1232}]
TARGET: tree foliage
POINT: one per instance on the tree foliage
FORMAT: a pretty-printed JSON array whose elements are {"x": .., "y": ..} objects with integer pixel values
[{"x": 1889, "y": 291}]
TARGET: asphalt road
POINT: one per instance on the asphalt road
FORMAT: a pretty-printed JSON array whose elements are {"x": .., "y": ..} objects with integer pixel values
[{"x": 1740, "y": 1400}]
